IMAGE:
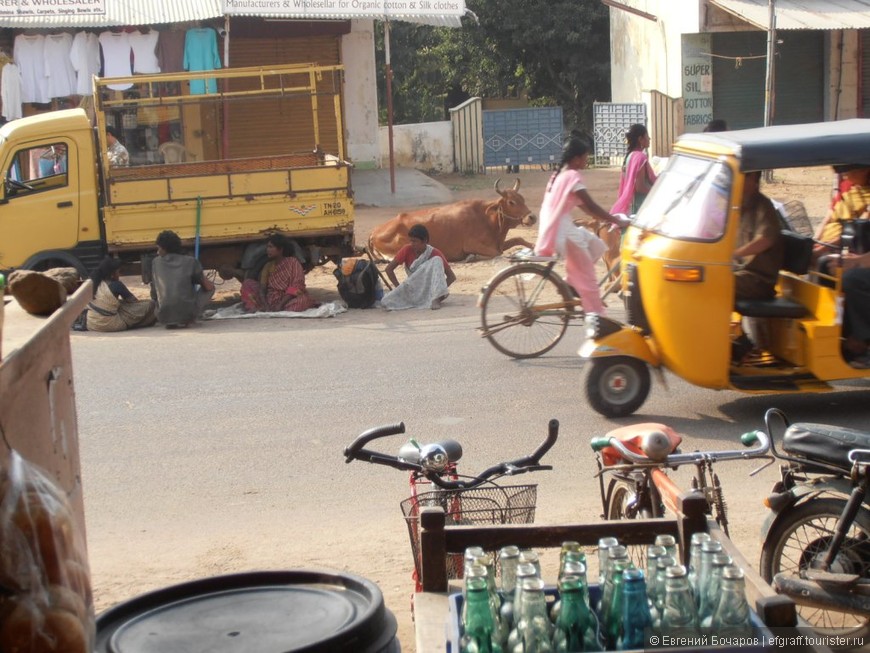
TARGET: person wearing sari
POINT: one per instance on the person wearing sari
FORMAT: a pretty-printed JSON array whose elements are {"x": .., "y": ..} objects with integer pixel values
[
  {"x": 557, "y": 233},
  {"x": 114, "y": 307},
  {"x": 637, "y": 175},
  {"x": 429, "y": 274},
  {"x": 281, "y": 284}
]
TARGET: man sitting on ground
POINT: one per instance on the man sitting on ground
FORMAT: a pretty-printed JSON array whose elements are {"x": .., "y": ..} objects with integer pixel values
[{"x": 178, "y": 284}]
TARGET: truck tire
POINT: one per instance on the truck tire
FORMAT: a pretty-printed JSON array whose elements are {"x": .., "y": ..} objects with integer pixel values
[{"x": 55, "y": 259}]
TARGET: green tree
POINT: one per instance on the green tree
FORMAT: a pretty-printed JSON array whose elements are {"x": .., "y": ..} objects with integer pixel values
[{"x": 555, "y": 51}]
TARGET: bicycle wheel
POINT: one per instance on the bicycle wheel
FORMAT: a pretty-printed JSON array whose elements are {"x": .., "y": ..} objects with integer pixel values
[
  {"x": 801, "y": 538},
  {"x": 525, "y": 311},
  {"x": 624, "y": 504}
]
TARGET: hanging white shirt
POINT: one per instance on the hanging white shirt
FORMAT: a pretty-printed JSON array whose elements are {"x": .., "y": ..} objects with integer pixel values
[
  {"x": 29, "y": 53},
  {"x": 85, "y": 59},
  {"x": 10, "y": 91},
  {"x": 58, "y": 67},
  {"x": 116, "y": 56},
  {"x": 144, "y": 52}
]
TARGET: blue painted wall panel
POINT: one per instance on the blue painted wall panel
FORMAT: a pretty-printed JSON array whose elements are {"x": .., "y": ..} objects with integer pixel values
[{"x": 514, "y": 137}]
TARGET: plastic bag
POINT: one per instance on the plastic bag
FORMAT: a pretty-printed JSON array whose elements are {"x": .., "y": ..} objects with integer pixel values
[{"x": 46, "y": 604}]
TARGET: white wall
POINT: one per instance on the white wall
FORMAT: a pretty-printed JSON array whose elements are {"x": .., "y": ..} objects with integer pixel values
[
  {"x": 360, "y": 94},
  {"x": 426, "y": 146}
]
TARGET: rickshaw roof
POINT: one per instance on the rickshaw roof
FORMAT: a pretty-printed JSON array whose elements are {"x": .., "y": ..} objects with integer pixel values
[{"x": 793, "y": 146}]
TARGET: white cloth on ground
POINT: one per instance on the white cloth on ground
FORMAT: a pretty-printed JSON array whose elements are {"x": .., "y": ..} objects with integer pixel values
[
  {"x": 237, "y": 311},
  {"x": 426, "y": 283}
]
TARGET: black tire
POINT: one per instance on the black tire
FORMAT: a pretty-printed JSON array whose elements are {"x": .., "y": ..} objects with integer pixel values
[
  {"x": 617, "y": 385},
  {"x": 801, "y": 534},
  {"x": 622, "y": 504},
  {"x": 525, "y": 311}
]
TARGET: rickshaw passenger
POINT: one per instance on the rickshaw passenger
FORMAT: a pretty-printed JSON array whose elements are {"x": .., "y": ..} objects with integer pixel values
[
  {"x": 760, "y": 249},
  {"x": 852, "y": 204},
  {"x": 856, "y": 314}
]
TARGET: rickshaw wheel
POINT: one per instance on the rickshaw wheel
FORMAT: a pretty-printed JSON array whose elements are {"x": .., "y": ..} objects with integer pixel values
[{"x": 618, "y": 385}]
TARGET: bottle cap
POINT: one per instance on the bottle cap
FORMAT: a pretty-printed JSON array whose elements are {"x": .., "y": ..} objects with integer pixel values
[
  {"x": 509, "y": 551},
  {"x": 632, "y": 575},
  {"x": 721, "y": 559},
  {"x": 676, "y": 571},
  {"x": 732, "y": 572},
  {"x": 698, "y": 538},
  {"x": 617, "y": 551},
  {"x": 665, "y": 561},
  {"x": 655, "y": 551},
  {"x": 711, "y": 546},
  {"x": 533, "y": 584},
  {"x": 528, "y": 556},
  {"x": 573, "y": 568},
  {"x": 526, "y": 569},
  {"x": 607, "y": 542},
  {"x": 665, "y": 540}
]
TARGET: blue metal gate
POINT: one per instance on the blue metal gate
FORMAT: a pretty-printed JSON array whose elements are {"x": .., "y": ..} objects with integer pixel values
[{"x": 515, "y": 137}]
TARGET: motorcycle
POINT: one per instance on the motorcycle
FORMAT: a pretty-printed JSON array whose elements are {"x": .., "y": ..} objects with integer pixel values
[{"x": 816, "y": 539}]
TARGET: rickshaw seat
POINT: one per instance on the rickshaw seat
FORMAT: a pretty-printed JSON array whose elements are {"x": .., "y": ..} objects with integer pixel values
[{"x": 776, "y": 307}]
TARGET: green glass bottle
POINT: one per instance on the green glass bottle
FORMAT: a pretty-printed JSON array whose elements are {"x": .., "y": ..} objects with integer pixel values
[
  {"x": 617, "y": 553},
  {"x": 479, "y": 635},
  {"x": 679, "y": 615},
  {"x": 576, "y": 628},
  {"x": 636, "y": 617},
  {"x": 732, "y": 617},
  {"x": 612, "y": 613},
  {"x": 573, "y": 564}
]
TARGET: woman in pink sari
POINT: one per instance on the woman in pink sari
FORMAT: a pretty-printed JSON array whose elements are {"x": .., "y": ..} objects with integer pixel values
[
  {"x": 557, "y": 233},
  {"x": 637, "y": 175},
  {"x": 281, "y": 285}
]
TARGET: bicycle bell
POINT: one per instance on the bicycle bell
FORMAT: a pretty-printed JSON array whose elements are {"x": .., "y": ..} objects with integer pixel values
[
  {"x": 655, "y": 445},
  {"x": 433, "y": 458}
]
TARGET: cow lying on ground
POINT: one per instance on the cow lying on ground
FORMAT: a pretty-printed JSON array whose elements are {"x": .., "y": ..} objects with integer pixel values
[{"x": 462, "y": 229}]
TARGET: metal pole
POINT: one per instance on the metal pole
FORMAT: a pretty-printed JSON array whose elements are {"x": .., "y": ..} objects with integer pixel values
[
  {"x": 769, "y": 83},
  {"x": 226, "y": 83},
  {"x": 389, "y": 74}
]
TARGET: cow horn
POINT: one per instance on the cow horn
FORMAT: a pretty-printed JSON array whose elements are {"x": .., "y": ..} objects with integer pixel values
[
  {"x": 497, "y": 189},
  {"x": 517, "y": 184}
]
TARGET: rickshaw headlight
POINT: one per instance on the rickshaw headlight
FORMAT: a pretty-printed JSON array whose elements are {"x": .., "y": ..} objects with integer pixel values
[{"x": 689, "y": 273}]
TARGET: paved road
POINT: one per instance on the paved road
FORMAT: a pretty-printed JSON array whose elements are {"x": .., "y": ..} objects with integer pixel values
[{"x": 219, "y": 448}]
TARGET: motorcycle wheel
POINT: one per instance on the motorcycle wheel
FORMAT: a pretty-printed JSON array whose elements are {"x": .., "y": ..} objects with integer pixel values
[{"x": 801, "y": 536}]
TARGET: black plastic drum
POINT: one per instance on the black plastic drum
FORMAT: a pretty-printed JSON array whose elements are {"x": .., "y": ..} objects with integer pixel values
[{"x": 257, "y": 612}]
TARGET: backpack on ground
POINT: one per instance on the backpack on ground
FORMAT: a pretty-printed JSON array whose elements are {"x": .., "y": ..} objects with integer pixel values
[{"x": 358, "y": 282}]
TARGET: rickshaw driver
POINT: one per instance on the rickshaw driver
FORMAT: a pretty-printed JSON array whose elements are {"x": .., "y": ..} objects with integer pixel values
[{"x": 760, "y": 249}]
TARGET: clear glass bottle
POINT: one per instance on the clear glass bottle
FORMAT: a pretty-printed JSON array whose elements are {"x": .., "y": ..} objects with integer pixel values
[
  {"x": 479, "y": 635},
  {"x": 653, "y": 553},
  {"x": 662, "y": 565},
  {"x": 713, "y": 591},
  {"x": 695, "y": 558},
  {"x": 670, "y": 543},
  {"x": 510, "y": 614},
  {"x": 533, "y": 630},
  {"x": 531, "y": 557},
  {"x": 508, "y": 558},
  {"x": 708, "y": 549},
  {"x": 614, "y": 553},
  {"x": 576, "y": 628},
  {"x": 636, "y": 617},
  {"x": 679, "y": 615},
  {"x": 604, "y": 545},
  {"x": 732, "y": 617}
]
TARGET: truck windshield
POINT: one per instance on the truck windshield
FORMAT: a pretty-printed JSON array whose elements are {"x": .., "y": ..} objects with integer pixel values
[{"x": 689, "y": 200}]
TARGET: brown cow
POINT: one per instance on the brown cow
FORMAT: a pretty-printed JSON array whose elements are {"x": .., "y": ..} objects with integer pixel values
[{"x": 462, "y": 229}]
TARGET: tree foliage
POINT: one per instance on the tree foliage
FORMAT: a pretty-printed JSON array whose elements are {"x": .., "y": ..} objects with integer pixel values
[{"x": 556, "y": 52}]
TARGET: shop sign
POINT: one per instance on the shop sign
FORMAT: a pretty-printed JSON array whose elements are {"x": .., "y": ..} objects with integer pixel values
[
  {"x": 51, "y": 7},
  {"x": 345, "y": 8}
]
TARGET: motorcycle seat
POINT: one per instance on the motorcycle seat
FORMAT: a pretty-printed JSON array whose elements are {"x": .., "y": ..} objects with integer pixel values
[
  {"x": 776, "y": 307},
  {"x": 824, "y": 443}
]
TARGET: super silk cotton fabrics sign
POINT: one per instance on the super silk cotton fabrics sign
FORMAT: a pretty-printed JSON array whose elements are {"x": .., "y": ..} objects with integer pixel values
[
  {"x": 345, "y": 8},
  {"x": 51, "y": 7}
]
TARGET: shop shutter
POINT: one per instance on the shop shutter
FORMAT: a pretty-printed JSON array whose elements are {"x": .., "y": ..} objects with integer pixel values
[
  {"x": 865, "y": 73},
  {"x": 739, "y": 69},
  {"x": 268, "y": 127}
]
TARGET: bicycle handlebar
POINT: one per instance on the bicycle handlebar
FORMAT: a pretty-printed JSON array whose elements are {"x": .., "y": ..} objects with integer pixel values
[
  {"x": 355, "y": 451},
  {"x": 676, "y": 459}
]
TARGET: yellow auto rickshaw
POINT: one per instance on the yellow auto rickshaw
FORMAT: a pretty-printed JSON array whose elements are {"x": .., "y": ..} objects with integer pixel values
[{"x": 678, "y": 277}]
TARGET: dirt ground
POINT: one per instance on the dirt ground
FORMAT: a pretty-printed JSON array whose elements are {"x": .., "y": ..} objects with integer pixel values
[{"x": 811, "y": 186}]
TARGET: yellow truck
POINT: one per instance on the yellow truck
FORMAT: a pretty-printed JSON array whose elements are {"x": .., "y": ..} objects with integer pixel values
[{"x": 223, "y": 158}]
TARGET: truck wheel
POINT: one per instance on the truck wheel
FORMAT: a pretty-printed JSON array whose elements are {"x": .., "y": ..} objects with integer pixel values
[
  {"x": 617, "y": 385},
  {"x": 61, "y": 260}
]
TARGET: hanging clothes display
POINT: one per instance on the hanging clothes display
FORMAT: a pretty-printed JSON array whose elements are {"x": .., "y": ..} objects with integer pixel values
[
  {"x": 201, "y": 53},
  {"x": 144, "y": 46},
  {"x": 116, "y": 57},
  {"x": 29, "y": 53},
  {"x": 59, "y": 70},
  {"x": 85, "y": 58},
  {"x": 170, "y": 50},
  {"x": 10, "y": 91}
]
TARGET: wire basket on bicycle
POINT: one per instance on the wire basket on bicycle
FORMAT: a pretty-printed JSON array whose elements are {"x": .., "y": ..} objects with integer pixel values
[{"x": 489, "y": 505}]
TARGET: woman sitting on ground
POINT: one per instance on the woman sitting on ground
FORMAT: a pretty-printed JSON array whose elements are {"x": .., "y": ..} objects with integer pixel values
[
  {"x": 429, "y": 274},
  {"x": 281, "y": 285},
  {"x": 114, "y": 307}
]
